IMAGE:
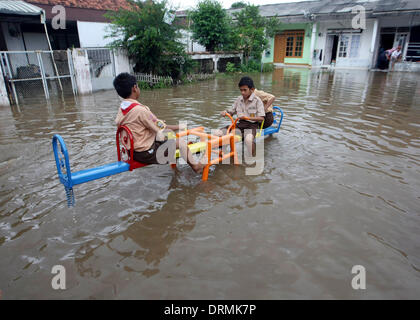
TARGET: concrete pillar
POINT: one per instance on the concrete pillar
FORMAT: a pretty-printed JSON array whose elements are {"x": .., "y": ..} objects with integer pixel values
[
  {"x": 216, "y": 61},
  {"x": 373, "y": 44},
  {"x": 81, "y": 71},
  {"x": 314, "y": 31},
  {"x": 122, "y": 62},
  {"x": 4, "y": 98}
]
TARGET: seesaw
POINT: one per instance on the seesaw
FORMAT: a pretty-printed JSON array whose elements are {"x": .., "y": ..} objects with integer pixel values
[{"x": 210, "y": 144}]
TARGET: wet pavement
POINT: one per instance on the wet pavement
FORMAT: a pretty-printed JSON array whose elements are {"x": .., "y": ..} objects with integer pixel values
[{"x": 340, "y": 187}]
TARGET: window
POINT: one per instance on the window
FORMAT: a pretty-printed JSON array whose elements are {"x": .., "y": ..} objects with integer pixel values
[
  {"x": 294, "y": 43},
  {"x": 289, "y": 46},
  {"x": 349, "y": 45},
  {"x": 299, "y": 46},
  {"x": 344, "y": 44},
  {"x": 354, "y": 47}
]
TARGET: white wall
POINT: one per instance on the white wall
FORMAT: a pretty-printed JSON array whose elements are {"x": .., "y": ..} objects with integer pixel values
[
  {"x": 82, "y": 72},
  {"x": 92, "y": 34},
  {"x": 191, "y": 46},
  {"x": 364, "y": 58},
  {"x": 122, "y": 62}
]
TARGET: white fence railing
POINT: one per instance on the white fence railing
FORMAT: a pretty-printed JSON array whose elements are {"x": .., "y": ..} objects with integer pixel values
[{"x": 152, "y": 79}]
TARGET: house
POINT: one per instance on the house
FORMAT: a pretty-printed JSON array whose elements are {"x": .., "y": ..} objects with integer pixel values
[
  {"x": 86, "y": 25},
  {"x": 328, "y": 32},
  {"x": 28, "y": 33},
  {"x": 16, "y": 20}
]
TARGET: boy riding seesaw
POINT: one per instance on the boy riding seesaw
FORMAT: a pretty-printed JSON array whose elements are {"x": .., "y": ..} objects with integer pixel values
[
  {"x": 254, "y": 111},
  {"x": 147, "y": 129}
]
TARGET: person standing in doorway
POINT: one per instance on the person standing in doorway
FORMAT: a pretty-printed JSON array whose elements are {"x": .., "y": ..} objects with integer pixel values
[{"x": 394, "y": 56}]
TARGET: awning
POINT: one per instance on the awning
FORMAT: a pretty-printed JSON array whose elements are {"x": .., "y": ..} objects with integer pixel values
[{"x": 20, "y": 8}]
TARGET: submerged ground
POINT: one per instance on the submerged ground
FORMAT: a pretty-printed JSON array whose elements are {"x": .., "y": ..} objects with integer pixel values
[{"x": 340, "y": 187}]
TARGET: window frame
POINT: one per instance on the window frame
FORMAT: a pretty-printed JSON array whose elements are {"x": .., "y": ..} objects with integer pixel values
[
  {"x": 353, "y": 48},
  {"x": 349, "y": 46},
  {"x": 294, "y": 34}
]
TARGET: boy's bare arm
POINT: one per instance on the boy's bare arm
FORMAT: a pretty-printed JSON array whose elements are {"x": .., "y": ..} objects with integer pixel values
[
  {"x": 257, "y": 119},
  {"x": 175, "y": 127},
  {"x": 270, "y": 102},
  {"x": 223, "y": 113},
  {"x": 172, "y": 127}
]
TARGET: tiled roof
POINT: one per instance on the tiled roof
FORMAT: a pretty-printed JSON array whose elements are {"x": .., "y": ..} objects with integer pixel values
[
  {"x": 327, "y": 7},
  {"x": 85, "y": 4}
]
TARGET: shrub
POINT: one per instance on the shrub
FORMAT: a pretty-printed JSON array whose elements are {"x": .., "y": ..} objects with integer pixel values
[
  {"x": 143, "y": 85},
  {"x": 230, "y": 67},
  {"x": 268, "y": 67}
]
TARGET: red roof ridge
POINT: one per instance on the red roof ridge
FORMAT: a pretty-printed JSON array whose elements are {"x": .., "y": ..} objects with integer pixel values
[{"x": 85, "y": 4}]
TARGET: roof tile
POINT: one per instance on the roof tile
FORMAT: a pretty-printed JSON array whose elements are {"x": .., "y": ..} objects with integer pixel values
[{"x": 85, "y": 4}]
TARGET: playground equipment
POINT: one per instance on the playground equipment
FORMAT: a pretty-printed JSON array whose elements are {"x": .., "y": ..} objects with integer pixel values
[{"x": 125, "y": 152}]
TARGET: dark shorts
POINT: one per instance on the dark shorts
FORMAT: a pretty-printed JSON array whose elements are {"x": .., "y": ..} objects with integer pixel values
[
  {"x": 268, "y": 120},
  {"x": 243, "y": 125},
  {"x": 150, "y": 156}
]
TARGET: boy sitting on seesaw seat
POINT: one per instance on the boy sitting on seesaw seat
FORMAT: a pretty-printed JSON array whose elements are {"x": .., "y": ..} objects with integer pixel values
[
  {"x": 250, "y": 110},
  {"x": 268, "y": 100},
  {"x": 146, "y": 127}
]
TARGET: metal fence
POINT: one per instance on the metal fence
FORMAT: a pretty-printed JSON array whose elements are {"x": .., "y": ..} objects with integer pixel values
[
  {"x": 102, "y": 67},
  {"x": 34, "y": 74}
]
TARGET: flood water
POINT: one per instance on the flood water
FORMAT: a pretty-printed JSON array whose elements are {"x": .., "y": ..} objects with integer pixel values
[{"x": 340, "y": 187}]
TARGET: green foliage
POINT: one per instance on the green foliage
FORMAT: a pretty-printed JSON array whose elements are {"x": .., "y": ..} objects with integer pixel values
[
  {"x": 250, "y": 28},
  {"x": 151, "y": 42},
  {"x": 163, "y": 83},
  {"x": 255, "y": 66},
  {"x": 268, "y": 67},
  {"x": 237, "y": 5},
  {"x": 272, "y": 27},
  {"x": 230, "y": 67},
  {"x": 144, "y": 85},
  {"x": 211, "y": 25},
  {"x": 251, "y": 66}
]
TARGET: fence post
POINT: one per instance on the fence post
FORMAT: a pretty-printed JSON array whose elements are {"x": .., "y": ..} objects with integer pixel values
[
  {"x": 10, "y": 79},
  {"x": 112, "y": 56},
  {"x": 44, "y": 81},
  {"x": 82, "y": 72},
  {"x": 71, "y": 69},
  {"x": 4, "y": 97}
]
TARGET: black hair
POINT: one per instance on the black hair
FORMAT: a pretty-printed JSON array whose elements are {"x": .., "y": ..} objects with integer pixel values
[
  {"x": 124, "y": 84},
  {"x": 246, "y": 81}
]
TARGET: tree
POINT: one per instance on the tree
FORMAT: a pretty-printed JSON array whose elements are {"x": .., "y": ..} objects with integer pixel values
[
  {"x": 150, "y": 41},
  {"x": 250, "y": 27},
  {"x": 210, "y": 25},
  {"x": 272, "y": 27},
  {"x": 238, "y": 5}
]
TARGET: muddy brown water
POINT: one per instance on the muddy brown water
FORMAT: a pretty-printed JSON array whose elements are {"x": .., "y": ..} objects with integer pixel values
[{"x": 340, "y": 187}]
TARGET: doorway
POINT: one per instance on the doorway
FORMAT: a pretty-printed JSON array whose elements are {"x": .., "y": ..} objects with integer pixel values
[
  {"x": 387, "y": 41},
  {"x": 331, "y": 48},
  {"x": 279, "y": 48}
]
